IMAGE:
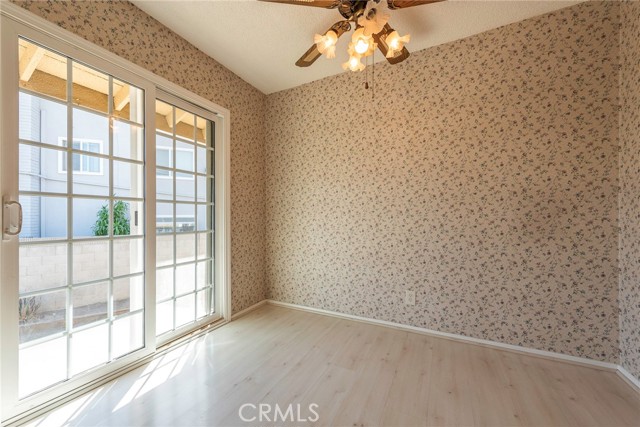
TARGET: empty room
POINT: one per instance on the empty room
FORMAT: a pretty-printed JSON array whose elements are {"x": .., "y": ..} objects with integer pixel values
[{"x": 320, "y": 213}]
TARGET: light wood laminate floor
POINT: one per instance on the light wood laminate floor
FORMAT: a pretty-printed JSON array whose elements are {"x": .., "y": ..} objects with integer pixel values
[{"x": 358, "y": 374}]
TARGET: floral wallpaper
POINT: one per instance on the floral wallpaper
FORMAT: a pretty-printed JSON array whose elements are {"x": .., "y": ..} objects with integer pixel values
[
  {"x": 479, "y": 174},
  {"x": 630, "y": 188},
  {"x": 127, "y": 31}
]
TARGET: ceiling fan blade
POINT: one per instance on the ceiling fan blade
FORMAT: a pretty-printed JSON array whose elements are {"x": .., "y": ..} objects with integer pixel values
[
  {"x": 401, "y": 4},
  {"x": 326, "y": 4},
  {"x": 381, "y": 40},
  {"x": 311, "y": 55}
]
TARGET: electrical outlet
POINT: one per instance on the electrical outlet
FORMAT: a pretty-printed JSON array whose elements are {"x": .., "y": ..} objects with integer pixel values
[{"x": 410, "y": 297}]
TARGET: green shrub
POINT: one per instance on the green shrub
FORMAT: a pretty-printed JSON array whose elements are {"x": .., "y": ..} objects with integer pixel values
[{"x": 121, "y": 225}]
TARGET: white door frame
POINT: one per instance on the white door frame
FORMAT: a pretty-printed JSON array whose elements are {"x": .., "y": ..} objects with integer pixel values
[{"x": 14, "y": 22}]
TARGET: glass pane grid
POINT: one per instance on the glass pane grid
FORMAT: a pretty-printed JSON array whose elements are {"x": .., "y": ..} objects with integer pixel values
[
  {"x": 80, "y": 302},
  {"x": 90, "y": 238},
  {"x": 184, "y": 178}
]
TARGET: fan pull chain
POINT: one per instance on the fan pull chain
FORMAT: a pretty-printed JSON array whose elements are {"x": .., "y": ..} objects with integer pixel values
[
  {"x": 373, "y": 84},
  {"x": 366, "y": 74},
  {"x": 373, "y": 75},
  {"x": 366, "y": 83}
]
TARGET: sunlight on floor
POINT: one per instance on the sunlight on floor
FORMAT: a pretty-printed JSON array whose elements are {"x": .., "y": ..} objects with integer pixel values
[
  {"x": 142, "y": 381},
  {"x": 158, "y": 372},
  {"x": 68, "y": 412}
]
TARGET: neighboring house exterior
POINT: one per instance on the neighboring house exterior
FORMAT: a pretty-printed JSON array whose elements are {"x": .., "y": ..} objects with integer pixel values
[{"x": 45, "y": 170}]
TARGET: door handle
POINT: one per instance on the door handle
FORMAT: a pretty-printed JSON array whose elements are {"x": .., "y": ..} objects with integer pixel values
[{"x": 11, "y": 229}]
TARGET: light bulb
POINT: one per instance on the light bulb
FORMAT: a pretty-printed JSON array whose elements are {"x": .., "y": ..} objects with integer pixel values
[
  {"x": 361, "y": 47},
  {"x": 353, "y": 64}
]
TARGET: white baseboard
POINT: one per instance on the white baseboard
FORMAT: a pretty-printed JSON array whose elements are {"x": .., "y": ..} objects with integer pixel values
[
  {"x": 249, "y": 309},
  {"x": 633, "y": 382},
  {"x": 487, "y": 343}
]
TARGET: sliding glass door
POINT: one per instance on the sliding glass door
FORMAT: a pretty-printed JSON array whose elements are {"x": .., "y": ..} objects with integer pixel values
[
  {"x": 81, "y": 242},
  {"x": 184, "y": 216},
  {"x": 109, "y": 223}
]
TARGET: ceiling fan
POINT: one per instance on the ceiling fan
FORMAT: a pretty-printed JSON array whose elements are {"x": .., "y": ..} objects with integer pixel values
[{"x": 372, "y": 30}]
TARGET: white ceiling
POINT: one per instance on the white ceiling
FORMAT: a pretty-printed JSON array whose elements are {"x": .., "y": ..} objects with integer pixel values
[{"x": 261, "y": 41}]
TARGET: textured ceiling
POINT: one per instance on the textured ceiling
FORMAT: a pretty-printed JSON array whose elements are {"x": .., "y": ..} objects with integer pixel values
[{"x": 260, "y": 42}]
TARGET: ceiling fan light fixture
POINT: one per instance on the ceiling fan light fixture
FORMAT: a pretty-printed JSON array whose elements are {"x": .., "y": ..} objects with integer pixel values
[
  {"x": 396, "y": 43},
  {"x": 353, "y": 64},
  {"x": 371, "y": 19},
  {"x": 361, "y": 44},
  {"x": 326, "y": 44},
  {"x": 374, "y": 19}
]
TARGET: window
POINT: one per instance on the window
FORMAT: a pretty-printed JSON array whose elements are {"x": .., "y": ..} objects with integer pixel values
[{"x": 81, "y": 163}]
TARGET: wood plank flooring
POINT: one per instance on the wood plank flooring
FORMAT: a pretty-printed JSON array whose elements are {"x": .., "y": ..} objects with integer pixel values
[{"x": 358, "y": 375}]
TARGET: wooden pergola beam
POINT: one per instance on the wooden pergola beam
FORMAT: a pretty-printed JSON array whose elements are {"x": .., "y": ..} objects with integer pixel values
[
  {"x": 180, "y": 115},
  {"x": 29, "y": 61},
  {"x": 122, "y": 98}
]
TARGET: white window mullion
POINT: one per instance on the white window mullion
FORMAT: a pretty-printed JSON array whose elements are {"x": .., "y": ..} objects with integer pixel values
[
  {"x": 110, "y": 298},
  {"x": 174, "y": 164},
  {"x": 69, "y": 171}
]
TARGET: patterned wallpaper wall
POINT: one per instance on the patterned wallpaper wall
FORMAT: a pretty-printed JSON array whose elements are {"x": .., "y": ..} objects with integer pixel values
[
  {"x": 482, "y": 176},
  {"x": 630, "y": 188},
  {"x": 127, "y": 31}
]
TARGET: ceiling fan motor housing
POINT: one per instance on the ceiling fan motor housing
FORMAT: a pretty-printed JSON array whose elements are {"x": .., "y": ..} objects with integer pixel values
[{"x": 353, "y": 9}]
